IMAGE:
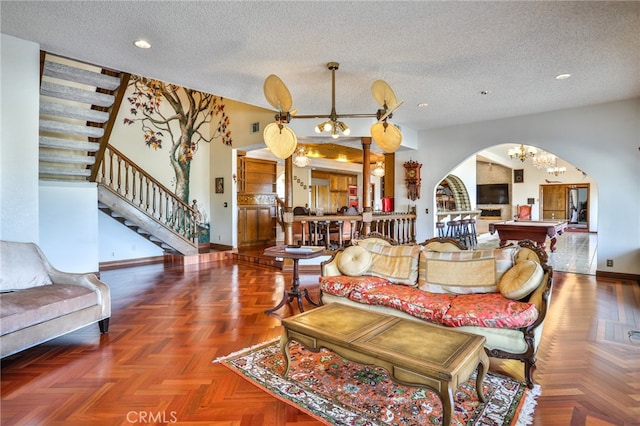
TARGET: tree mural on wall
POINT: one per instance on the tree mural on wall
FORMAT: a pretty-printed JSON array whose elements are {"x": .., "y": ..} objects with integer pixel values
[{"x": 193, "y": 113}]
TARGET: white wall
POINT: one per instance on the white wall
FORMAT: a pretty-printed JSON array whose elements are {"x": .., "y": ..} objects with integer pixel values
[
  {"x": 222, "y": 163},
  {"x": 69, "y": 225},
  {"x": 301, "y": 187},
  {"x": 117, "y": 242},
  {"x": 602, "y": 140},
  {"x": 20, "y": 97}
]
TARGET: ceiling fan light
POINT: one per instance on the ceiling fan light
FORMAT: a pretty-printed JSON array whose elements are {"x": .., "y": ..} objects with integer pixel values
[
  {"x": 328, "y": 126},
  {"x": 344, "y": 129},
  {"x": 300, "y": 158}
]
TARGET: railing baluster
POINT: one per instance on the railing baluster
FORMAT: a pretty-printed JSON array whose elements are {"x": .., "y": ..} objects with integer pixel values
[{"x": 127, "y": 179}]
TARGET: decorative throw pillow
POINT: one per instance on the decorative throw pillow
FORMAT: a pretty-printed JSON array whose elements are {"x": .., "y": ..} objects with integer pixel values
[
  {"x": 522, "y": 279},
  {"x": 398, "y": 264},
  {"x": 460, "y": 276},
  {"x": 354, "y": 261},
  {"x": 368, "y": 243},
  {"x": 463, "y": 272}
]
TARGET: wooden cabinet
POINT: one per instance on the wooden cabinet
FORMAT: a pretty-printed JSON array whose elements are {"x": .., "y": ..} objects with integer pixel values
[
  {"x": 336, "y": 194},
  {"x": 444, "y": 197},
  {"x": 256, "y": 225},
  {"x": 256, "y": 176},
  {"x": 256, "y": 201}
]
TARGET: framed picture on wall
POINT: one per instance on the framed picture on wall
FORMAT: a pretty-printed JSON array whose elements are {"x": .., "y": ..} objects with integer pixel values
[
  {"x": 219, "y": 185},
  {"x": 518, "y": 175}
]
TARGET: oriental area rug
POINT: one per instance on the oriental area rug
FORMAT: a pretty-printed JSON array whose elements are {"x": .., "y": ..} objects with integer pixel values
[{"x": 336, "y": 391}]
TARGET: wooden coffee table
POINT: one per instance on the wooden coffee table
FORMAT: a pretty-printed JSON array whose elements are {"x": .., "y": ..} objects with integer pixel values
[{"x": 413, "y": 352}]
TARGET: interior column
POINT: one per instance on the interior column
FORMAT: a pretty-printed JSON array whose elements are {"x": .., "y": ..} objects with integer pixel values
[
  {"x": 288, "y": 200},
  {"x": 367, "y": 212}
]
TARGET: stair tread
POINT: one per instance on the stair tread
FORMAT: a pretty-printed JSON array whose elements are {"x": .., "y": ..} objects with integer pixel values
[
  {"x": 51, "y": 157},
  {"x": 72, "y": 111},
  {"x": 64, "y": 171},
  {"x": 80, "y": 75},
  {"x": 70, "y": 129},
  {"x": 75, "y": 94},
  {"x": 61, "y": 143}
]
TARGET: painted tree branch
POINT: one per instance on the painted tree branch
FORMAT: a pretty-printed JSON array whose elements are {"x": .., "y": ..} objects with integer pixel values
[{"x": 194, "y": 113}]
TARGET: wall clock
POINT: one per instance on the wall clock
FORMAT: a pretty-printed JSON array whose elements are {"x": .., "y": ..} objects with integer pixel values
[{"x": 412, "y": 179}]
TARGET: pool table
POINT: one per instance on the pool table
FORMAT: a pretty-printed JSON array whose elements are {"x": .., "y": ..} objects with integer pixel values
[{"x": 537, "y": 231}]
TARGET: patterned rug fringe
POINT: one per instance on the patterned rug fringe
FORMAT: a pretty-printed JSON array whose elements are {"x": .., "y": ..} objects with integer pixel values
[
  {"x": 259, "y": 364},
  {"x": 244, "y": 350},
  {"x": 525, "y": 416}
]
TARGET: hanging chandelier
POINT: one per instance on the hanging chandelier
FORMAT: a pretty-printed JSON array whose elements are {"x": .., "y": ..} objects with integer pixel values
[
  {"x": 300, "y": 158},
  {"x": 522, "y": 153},
  {"x": 378, "y": 170},
  {"x": 555, "y": 170},
  {"x": 544, "y": 160},
  {"x": 281, "y": 139}
]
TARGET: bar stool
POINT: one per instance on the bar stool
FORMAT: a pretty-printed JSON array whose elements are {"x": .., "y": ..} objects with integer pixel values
[
  {"x": 472, "y": 231},
  {"x": 453, "y": 229},
  {"x": 464, "y": 232},
  {"x": 440, "y": 228}
]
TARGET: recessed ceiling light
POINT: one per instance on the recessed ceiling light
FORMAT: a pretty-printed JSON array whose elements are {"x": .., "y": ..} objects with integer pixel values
[
  {"x": 423, "y": 105},
  {"x": 562, "y": 76},
  {"x": 142, "y": 44}
]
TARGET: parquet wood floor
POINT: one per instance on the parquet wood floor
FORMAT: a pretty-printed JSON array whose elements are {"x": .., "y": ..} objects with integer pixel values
[{"x": 168, "y": 324}]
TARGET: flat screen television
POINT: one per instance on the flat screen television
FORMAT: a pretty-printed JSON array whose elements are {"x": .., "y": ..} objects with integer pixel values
[{"x": 492, "y": 193}]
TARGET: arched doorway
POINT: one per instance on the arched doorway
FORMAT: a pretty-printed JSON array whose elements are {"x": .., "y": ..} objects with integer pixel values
[{"x": 525, "y": 183}]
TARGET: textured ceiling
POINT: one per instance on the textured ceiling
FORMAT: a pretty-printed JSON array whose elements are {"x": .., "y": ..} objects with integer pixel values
[{"x": 442, "y": 53}]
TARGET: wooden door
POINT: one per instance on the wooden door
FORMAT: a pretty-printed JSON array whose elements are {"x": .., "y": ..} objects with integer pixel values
[{"x": 554, "y": 202}]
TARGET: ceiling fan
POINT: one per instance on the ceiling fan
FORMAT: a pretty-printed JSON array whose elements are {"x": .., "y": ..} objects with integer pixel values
[{"x": 282, "y": 141}]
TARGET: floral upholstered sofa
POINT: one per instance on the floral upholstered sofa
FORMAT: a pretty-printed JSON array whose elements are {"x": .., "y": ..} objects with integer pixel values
[{"x": 501, "y": 294}]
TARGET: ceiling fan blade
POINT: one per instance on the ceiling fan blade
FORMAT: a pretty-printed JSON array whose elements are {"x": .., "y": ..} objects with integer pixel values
[
  {"x": 391, "y": 111},
  {"x": 383, "y": 94},
  {"x": 280, "y": 139},
  {"x": 277, "y": 93},
  {"x": 387, "y": 136}
]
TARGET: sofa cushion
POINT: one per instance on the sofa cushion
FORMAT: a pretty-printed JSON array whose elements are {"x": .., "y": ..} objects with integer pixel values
[
  {"x": 428, "y": 306},
  {"x": 21, "y": 266},
  {"x": 367, "y": 243},
  {"x": 524, "y": 277},
  {"x": 491, "y": 310},
  {"x": 354, "y": 261},
  {"x": 23, "y": 308},
  {"x": 398, "y": 264},
  {"x": 343, "y": 285},
  {"x": 462, "y": 272}
]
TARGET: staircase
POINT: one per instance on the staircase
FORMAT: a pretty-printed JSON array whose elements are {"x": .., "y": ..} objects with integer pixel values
[
  {"x": 76, "y": 102},
  {"x": 78, "y": 107}
]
